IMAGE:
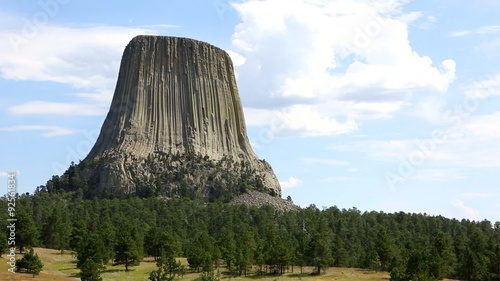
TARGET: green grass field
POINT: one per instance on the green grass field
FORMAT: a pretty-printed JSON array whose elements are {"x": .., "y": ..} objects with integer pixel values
[{"x": 63, "y": 267}]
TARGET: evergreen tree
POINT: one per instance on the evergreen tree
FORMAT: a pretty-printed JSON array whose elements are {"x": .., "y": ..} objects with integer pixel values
[
  {"x": 91, "y": 248},
  {"x": 495, "y": 263},
  {"x": 246, "y": 252},
  {"x": 167, "y": 268},
  {"x": 107, "y": 233},
  {"x": 340, "y": 255},
  {"x": 30, "y": 262},
  {"x": 90, "y": 271},
  {"x": 321, "y": 254},
  {"x": 158, "y": 242},
  {"x": 3, "y": 243},
  {"x": 375, "y": 263},
  {"x": 228, "y": 248},
  {"x": 472, "y": 266},
  {"x": 56, "y": 230},
  {"x": 417, "y": 268},
  {"x": 152, "y": 243},
  {"x": 301, "y": 257},
  {"x": 79, "y": 230},
  {"x": 385, "y": 247},
  {"x": 443, "y": 261},
  {"x": 126, "y": 249},
  {"x": 201, "y": 253},
  {"x": 26, "y": 231}
]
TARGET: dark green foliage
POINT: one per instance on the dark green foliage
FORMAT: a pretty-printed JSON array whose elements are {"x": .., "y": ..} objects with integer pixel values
[
  {"x": 56, "y": 229},
  {"x": 385, "y": 247},
  {"x": 158, "y": 242},
  {"x": 168, "y": 268},
  {"x": 90, "y": 271},
  {"x": 127, "y": 248},
  {"x": 417, "y": 268},
  {"x": 30, "y": 262},
  {"x": 26, "y": 231},
  {"x": 91, "y": 248},
  {"x": 3, "y": 242},
  {"x": 375, "y": 263},
  {"x": 321, "y": 255},
  {"x": 443, "y": 257},
  {"x": 201, "y": 253},
  {"x": 408, "y": 245},
  {"x": 495, "y": 263},
  {"x": 472, "y": 266}
]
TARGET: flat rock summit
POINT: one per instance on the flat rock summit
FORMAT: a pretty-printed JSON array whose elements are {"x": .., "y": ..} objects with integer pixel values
[{"x": 176, "y": 127}]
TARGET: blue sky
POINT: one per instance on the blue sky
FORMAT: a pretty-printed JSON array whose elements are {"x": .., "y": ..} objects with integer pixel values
[{"x": 387, "y": 105}]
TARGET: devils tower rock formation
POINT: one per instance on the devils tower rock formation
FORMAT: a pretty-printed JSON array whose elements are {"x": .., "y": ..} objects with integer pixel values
[{"x": 175, "y": 127}]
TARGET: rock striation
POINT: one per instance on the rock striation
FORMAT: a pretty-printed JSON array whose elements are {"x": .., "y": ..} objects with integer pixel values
[{"x": 175, "y": 125}]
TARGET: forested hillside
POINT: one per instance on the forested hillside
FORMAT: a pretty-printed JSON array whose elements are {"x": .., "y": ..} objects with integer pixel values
[{"x": 411, "y": 246}]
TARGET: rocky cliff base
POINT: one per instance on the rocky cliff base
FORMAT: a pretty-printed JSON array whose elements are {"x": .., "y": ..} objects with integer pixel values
[{"x": 259, "y": 199}]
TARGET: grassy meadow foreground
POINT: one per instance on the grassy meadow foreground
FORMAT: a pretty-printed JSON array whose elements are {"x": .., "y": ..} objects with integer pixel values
[{"x": 63, "y": 267}]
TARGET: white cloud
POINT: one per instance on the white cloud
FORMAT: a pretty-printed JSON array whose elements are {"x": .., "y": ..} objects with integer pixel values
[
  {"x": 305, "y": 120},
  {"x": 460, "y": 210},
  {"x": 490, "y": 29},
  {"x": 430, "y": 109},
  {"x": 83, "y": 57},
  {"x": 56, "y": 108},
  {"x": 322, "y": 161},
  {"x": 466, "y": 142},
  {"x": 298, "y": 120},
  {"x": 437, "y": 175},
  {"x": 236, "y": 58},
  {"x": 322, "y": 53},
  {"x": 485, "y": 88},
  {"x": 50, "y": 131},
  {"x": 477, "y": 195},
  {"x": 292, "y": 182}
]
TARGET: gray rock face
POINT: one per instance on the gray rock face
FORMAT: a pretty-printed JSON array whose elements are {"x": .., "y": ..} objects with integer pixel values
[
  {"x": 174, "y": 96},
  {"x": 259, "y": 199}
]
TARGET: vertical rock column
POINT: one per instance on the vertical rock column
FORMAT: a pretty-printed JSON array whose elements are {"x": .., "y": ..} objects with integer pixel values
[{"x": 177, "y": 96}]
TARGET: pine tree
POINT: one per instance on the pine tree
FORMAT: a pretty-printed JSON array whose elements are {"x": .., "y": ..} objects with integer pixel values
[
  {"x": 79, "y": 230},
  {"x": 321, "y": 254},
  {"x": 417, "y": 268},
  {"x": 201, "y": 253},
  {"x": 228, "y": 248},
  {"x": 495, "y": 263},
  {"x": 246, "y": 252},
  {"x": 3, "y": 243},
  {"x": 472, "y": 266},
  {"x": 167, "y": 268},
  {"x": 340, "y": 254},
  {"x": 375, "y": 263},
  {"x": 91, "y": 248},
  {"x": 385, "y": 247},
  {"x": 443, "y": 259},
  {"x": 126, "y": 249},
  {"x": 90, "y": 271},
  {"x": 26, "y": 232},
  {"x": 56, "y": 231},
  {"x": 30, "y": 262}
]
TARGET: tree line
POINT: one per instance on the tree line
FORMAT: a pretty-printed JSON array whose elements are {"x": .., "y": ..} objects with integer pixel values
[{"x": 253, "y": 240}]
